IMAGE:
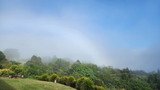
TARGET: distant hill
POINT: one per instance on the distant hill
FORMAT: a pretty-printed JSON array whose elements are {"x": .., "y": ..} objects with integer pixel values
[{"x": 30, "y": 84}]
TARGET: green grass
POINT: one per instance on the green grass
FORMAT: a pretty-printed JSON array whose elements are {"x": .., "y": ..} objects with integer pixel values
[{"x": 30, "y": 84}]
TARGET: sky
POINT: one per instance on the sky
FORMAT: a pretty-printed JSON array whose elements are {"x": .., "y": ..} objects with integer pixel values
[{"x": 118, "y": 33}]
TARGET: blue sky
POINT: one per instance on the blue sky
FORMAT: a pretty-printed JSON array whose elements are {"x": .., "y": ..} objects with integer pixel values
[{"x": 118, "y": 33}]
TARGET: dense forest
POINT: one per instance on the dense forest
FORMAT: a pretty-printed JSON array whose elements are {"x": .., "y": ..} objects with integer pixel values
[{"x": 79, "y": 75}]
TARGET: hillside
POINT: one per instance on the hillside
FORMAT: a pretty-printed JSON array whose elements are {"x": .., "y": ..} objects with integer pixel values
[{"x": 30, "y": 84}]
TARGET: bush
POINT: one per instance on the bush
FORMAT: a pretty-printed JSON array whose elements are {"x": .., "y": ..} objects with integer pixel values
[
  {"x": 98, "y": 87},
  {"x": 63, "y": 80},
  {"x": 17, "y": 69},
  {"x": 71, "y": 81},
  {"x": 53, "y": 77},
  {"x": 84, "y": 84},
  {"x": 6, "y": 72},
  {"x": 38, "y": 77},
  {"x": 98, "y": 82},
  {"x": 58, "y": 79},
  {"x": 43, "y": 77}
]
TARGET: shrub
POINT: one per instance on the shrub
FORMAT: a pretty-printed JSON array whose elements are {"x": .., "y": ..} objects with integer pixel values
[
  {"x": 17, "y": 69},
  {"x": 98, "y": 87},
  {"x": 53, "y": 77},
  {"x": 38, "y": 77},
  {"x": 63, "y": 80},
  {"x": 43, "y": 77},
  {"x": 98, "y": 82},
  {"x": 84, "y": 84},
  {"x": 58, "y": 79},
  {"x": 71, "y": 81},
  {"x": 6, "y": 72}
]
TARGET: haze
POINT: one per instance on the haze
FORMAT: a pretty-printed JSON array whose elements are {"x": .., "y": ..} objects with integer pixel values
[{"x": 118, "y": 33}]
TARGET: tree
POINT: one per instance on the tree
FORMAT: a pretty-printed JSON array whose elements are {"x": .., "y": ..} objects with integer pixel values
[
  {"x": 126, "y": 74},
  {"x": 154, "y": 81},
  {"x": 35, "y": 66},
  {"x": 109, "y": 76},
  {"x": 79, "y": 70},
  {"x": 34, "y": 61},
  {"x": 60, "y": 66}
]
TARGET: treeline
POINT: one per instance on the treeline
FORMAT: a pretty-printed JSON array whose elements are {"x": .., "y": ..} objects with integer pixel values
[
  {"x": 82, "y": 76},
  {"x": 82, "y": 83}
]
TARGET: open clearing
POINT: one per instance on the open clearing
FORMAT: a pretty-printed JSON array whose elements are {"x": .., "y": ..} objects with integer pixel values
[{"x": 30, "y": 84}]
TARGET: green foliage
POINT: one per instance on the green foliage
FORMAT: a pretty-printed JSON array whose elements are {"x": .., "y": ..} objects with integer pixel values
[
  {"x": 84, "y": 84},
  {"x": 81, "y": 70},
  {"x": 6, "y": 72},
  {"x": 109, "y": 76},
  {"x": 44, "y": 77},
  {"x": 34, "y": 61},
  {"x": 63, "y": 80},
  {"x": 135, "y": 84},
  {"x": 35, "y": 67},
  {"x": 139, "y": 84},
  {"x": 99, "y": 82},
  {"x": 2, "y": 56},
  {"x": 60, "y": 66},
  {"x": 71, "y": 81},
  {"x": 3, "y": 61},
  {"x": 126, "y": 74},
  {"x": 18, "y": 69},
  {"x": 154, "y": 80},
  {"x": 53, "y": 77},
  {"x": 98, "y": 87},
  {"x": 81, "y": 75}
]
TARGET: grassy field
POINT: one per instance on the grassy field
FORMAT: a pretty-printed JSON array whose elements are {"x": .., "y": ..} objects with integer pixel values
[{"x": 30, "y": 84}]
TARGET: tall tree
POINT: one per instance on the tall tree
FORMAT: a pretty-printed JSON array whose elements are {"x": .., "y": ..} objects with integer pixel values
[
  {"x": 35, "y": 66},
  {"x": 34, "y": 61},
  {"x": 61, "y": 66},
  {"x": 154, "y": 80}
]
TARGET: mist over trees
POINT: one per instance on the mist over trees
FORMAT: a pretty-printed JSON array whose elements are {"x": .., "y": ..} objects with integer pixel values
[
  {"x": 12, "y": 54},
  {"x": 3, "y": 61},
  {"x": 2, "y": 56},
  {"x": 79, "y": 75}
]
